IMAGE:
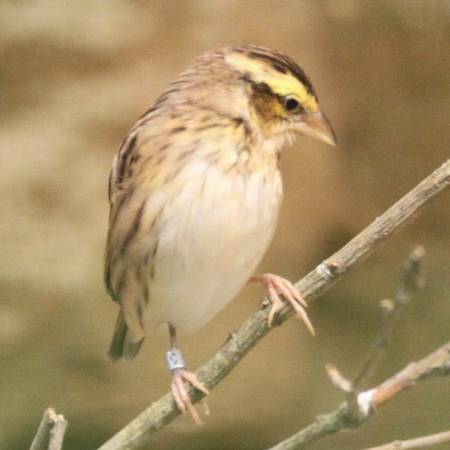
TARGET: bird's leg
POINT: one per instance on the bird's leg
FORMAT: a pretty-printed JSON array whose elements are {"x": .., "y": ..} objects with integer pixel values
[
  {"x": 277, "y": 286},
  {"x": 177, "y": 367}
]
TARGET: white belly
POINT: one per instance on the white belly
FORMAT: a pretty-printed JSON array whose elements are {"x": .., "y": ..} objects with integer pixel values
[{"x": 213, "y": 236}]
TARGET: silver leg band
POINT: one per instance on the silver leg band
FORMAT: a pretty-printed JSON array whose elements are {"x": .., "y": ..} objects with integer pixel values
[{"x": 175, "y": 359}]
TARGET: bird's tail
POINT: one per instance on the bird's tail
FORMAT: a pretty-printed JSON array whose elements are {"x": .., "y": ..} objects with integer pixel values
[{"x": 123, "y": 345}]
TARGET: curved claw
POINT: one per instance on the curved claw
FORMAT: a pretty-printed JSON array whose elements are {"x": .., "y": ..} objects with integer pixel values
[
  {"x": 277, "y": 286},
  {"x": 180, "y": 393}
]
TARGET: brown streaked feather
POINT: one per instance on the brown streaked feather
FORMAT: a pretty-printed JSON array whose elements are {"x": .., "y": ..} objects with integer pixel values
[
  {"x": 127, "y": 260},
  {"x": 123, "y": 158},
  {"x": 133, "y": 229},
  {"x": 129, "y": 332},
  {"x": 280, "y": 62},
  {"x": 121, "y": 346}
]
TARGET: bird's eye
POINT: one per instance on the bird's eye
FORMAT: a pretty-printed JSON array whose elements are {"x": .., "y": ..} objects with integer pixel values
[{"x": 292, "y": 105}]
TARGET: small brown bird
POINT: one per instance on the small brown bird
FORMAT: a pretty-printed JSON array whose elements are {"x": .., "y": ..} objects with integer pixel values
[{"x": 195, "y": 192}]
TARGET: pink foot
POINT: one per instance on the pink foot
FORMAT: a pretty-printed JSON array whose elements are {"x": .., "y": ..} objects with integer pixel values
[
  {"x": 277, "y": 286},
  {"x": 180, "y": 393}
]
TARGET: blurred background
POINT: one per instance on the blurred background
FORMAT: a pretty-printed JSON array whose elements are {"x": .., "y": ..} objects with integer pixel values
[{"x": 75, "y": 75}]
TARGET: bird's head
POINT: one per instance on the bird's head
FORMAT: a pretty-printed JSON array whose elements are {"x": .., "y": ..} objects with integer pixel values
[
  {"x": 257, "y": 86},
  {"x": 281, "y": 98}
]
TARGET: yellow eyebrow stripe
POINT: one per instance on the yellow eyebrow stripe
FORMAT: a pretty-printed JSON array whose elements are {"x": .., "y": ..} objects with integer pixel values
[{"x": 280, "y": 83}]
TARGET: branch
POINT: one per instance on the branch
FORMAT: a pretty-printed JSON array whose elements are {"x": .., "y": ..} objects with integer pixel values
[
  {"x": 422, "y": 442},
  {"x": 345, "y": 417},
  {"x": 411, "y": 281},
  {"x": 164, "y": 410},
  {"x": 50, "y": 434}
]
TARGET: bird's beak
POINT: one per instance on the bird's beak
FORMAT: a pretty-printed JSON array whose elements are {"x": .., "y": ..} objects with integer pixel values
[{"x": 317, "y": 126}]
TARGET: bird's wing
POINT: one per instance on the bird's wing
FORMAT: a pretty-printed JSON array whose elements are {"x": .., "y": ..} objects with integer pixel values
[{"x": 136, "y": 205}]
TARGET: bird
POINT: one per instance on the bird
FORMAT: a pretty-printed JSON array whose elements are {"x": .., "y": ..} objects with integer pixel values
[{"x": 195, "y": 191}]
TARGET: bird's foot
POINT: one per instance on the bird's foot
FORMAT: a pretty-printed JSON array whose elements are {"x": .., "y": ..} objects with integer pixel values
[
  {"x": 277, "y": 286},
  {"x": 181, "y": 395}
]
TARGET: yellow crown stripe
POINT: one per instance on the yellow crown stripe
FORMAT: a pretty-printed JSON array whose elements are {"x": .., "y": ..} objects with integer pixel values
[{"x": 280, "y": 83}]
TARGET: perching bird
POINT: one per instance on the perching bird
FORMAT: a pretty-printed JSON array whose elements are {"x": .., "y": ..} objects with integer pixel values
[{"x": 195, "y": 192}]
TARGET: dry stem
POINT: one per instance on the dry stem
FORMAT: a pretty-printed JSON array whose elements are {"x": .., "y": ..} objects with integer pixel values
[
  {"x": 50, "y": 434},
  {"x": 411, "y": 281},
  {"x": 345, "y": 417}
]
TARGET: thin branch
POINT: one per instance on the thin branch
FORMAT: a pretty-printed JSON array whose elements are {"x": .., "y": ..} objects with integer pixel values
[
  {"x": 345, "y": 417},
  {"x": 50, "y": 434},
  {"x": 411, "y": 281},
  {"x": 164, "y": 410},
  {"x": 422, "y": 442}
]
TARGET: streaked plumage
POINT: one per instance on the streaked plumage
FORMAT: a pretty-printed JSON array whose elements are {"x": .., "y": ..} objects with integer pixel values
[{"x": 195, "y": 189}]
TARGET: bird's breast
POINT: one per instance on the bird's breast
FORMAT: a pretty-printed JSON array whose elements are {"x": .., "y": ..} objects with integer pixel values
[{"x": 214, "y": 231}]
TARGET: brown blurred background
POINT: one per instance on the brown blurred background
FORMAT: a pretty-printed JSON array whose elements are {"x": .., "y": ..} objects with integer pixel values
[{"x": 76, "y": 74}]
